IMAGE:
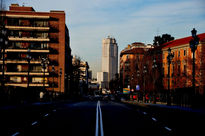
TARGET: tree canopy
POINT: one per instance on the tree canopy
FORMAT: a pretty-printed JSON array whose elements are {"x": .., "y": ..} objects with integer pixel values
[{"x": 159, "y": 40}]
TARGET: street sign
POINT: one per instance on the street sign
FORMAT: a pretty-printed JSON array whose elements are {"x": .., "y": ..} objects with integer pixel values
[
  {"x": 126, "y": 90},
  {"x": 137, "y": 87}
]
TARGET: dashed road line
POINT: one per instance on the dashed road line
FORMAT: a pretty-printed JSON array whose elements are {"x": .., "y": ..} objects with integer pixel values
[
  {"x": 169, "y": 129},
  {"x": 46, "y": 115},
  {"x": 15, "y": 134},
  {"x": 34, "y": 123},
  {"x": 145, "y": 113},
  {"x": 154, "y": 119}
]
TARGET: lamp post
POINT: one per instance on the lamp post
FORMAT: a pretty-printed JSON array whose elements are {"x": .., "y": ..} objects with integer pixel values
[
  {"x": 138, "y": 75},
  {"x": 193, "y": 45},
  {"x": 144, "y": 72},
  {"x": 4, "y": 42},
  {"x": 60, "y": 78},
  {"x": 44, "y": 64},
  {"x": 131, "y": 86},
  {"x": 28, "y": 59},
  {"x": 169, "y": 59},
  {"x": 154, "y": 67},
  {"x": 53, "y": 72}
]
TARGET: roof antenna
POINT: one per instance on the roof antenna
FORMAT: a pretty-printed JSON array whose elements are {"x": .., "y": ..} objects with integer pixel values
[{"x": 23, "y": 4}]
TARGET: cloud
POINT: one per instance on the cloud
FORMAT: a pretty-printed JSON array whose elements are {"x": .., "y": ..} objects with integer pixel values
[{"x": 89, "y": 21}]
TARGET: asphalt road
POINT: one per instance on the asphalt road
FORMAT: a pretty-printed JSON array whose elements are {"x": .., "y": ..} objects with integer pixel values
[{"x": 84, "y": 118}]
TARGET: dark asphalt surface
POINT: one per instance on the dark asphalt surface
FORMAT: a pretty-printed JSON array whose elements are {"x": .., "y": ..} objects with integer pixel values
[{"x": 79, "y": 119}]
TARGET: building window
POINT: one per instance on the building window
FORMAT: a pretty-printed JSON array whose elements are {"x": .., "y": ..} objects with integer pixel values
[
  {"x": 179, "y": 53},
  {"x": 179, "y": 70},
  {"x": 192, "y": 55},
  {"x": 37, "y": 79},
  {"x": 163, "y": 72},
  {"x": 127, "y": 56},
  {"x": 184, "y": 52},
  {"x": 172, "y": 70},
  {"x": 185, "y": 69},
  {"x": 15, "y": 79}
]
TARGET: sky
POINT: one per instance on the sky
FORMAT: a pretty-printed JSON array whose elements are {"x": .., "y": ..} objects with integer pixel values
[{"x": 128, "y": 21}]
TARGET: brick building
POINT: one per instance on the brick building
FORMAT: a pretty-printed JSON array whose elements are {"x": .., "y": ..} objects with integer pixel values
[
  {"x": 181, "y": 65},
  {"x": 38, "y": 54},
  {"x": 132, "y": 61}
]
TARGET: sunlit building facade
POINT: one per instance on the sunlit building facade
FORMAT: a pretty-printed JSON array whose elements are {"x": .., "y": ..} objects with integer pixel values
[
  {"x": 38, "y": 53},
  {"x": 182, "y": 64}
]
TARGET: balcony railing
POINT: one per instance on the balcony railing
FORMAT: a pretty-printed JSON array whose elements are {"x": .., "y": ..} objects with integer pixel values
[
  {"x": 19, "y": 38},
  {"x": 26, "y": 73},
  {"x": 22, "y": 61},
  {"x": 25, "y": 84},
  {"x": 40, "y": 28}
]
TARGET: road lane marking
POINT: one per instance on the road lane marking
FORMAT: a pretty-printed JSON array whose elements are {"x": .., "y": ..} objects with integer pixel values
[
  {"x": 34, "y": 123},
  {"x": 154, "y": 119},
  {"x": 96, "y": 126},
  {"x": 15, "y": 134},
  {"x": 46, "y": 115},
  {"x": 99, "y": 117},
  {"x": 101, "y": 121},
  {"x": 169, "y": 129},
  {"x": 145, "y": 113}
]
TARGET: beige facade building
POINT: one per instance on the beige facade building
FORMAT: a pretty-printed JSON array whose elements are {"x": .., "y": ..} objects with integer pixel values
[{"x": 109, "y": 59}]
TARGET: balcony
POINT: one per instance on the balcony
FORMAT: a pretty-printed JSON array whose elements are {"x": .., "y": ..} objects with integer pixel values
[
  {"x": 28, "y": 28},
  {"x": 20, "y": 62},
  {"x": 25, "y": 73},
  {"x": 39, "y": 50},
  {"x": 30, "y": 39},
  {"x": 25, "y": 84}
]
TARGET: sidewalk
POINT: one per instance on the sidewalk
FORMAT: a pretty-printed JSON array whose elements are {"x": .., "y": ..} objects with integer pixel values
[{"x": 164, "y": 105}]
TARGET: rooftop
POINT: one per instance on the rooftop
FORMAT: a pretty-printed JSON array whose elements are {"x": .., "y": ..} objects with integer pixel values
[{"x": 182, "y": 41}]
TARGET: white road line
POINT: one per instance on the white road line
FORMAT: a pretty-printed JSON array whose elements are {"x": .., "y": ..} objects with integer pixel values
[
  {"x": 46, "y": 115},
  {"x": 98, "y": 111},
  {"x": 101, "y": 121},
  {"x": 34, "y": 123},
  {"x": 154, "y": 119},
  {"x": 15, "y": 134},
  {"x": 96, "y": 125},
  {"x": 169, "y": 129},
  {"x": 145, "y": 113}
]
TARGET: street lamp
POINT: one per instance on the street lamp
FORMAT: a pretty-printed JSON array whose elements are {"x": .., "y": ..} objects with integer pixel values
[
  {"x": 28, "y": 59},
  {"x": 60, "y": 78},
  {"x": 4, "y": 42},
  {"x": 169, "y": 59},
  {"x": 193, "y": 45},
  {"x": 138, "y": 75},
  {"x": 154, "y": 67},
  {"x": 53, "y": 72},
  {"x": 131, "y": 86},
  {"x": 144, "y": 71},
  {"x": 44, "y": 64}
]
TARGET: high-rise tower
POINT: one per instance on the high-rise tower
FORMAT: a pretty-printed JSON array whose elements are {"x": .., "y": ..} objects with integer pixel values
[{"x": 109, "y": 57}]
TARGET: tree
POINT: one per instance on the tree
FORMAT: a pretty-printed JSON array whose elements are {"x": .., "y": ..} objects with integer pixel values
[
  {"x": 114, "y": 83},
  {"x": 159, "y": 40},
  {"x": 80, "y": 75}
]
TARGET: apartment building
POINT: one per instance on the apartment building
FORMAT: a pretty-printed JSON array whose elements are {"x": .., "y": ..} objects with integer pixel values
[
  {"x": 132, "y": 61},
  {"x": 38, "y": 54}
]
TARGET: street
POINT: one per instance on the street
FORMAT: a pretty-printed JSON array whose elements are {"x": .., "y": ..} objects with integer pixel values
[{"x": 89, "y": 118}]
